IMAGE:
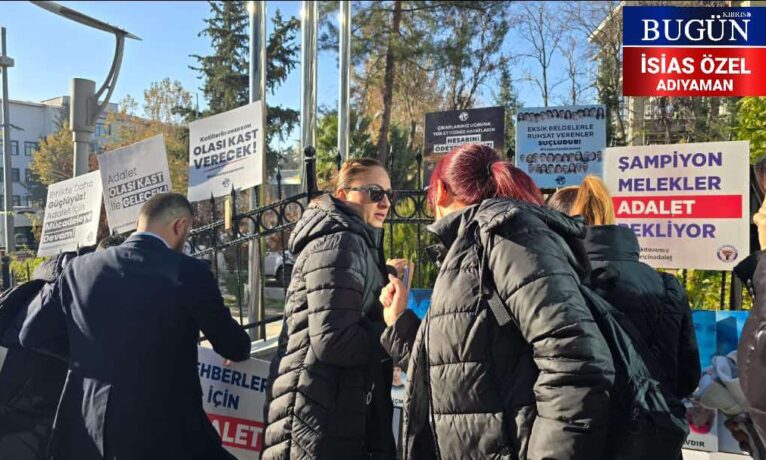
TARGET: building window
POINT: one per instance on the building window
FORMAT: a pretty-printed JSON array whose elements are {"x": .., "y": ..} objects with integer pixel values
[
  {"x": 15, "y": 175},
  {"x": 16, "y": 200},
  {"x": 27, "y": 201},
  {"x": 27, "y": 176},
  {"x": 14, "y": 147},
  {"x": 30, "y": 147},
  {"x": 2, "y": 176},
  {"x": 103, "y": 130}
]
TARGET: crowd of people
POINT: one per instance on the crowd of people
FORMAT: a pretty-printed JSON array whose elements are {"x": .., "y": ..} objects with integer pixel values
[{"x": 515, "y": 358}]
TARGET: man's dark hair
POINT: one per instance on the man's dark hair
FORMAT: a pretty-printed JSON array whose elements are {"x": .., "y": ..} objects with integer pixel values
[
  {"x": 164, "y": 207},
  {"x": 110, "y": 241}
]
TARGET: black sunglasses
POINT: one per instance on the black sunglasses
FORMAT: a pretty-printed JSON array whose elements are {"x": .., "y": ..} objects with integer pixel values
[{"x": 375, "y": 192}]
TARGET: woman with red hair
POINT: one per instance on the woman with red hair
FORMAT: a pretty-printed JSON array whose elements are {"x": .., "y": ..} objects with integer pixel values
[{"x": 535, "y": 387}]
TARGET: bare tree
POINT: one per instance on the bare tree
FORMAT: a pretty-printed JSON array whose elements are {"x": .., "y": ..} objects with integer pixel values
[
  {"x": 543, "y": 35},
  {"x": 573, "y": 71},
  {"x": 470, "y": 48},
  {"x": 600, "y": 25}
]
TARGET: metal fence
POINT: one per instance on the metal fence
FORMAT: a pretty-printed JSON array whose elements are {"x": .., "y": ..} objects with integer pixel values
[{"x": 225, "y": 239}]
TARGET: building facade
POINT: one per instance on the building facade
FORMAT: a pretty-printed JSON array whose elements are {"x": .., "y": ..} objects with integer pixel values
[{"x": 30, "y": 123}]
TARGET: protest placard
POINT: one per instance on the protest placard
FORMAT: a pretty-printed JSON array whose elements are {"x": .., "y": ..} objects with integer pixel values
[
  {"x": 234, "y": 397},
  {"x": 226, "y": 151},
  {"x": 72, "y": 212},
  {"x": 559, "y": 146},
  {"x": 688, "y": 204},
  {"x": 131, "y": 175}
]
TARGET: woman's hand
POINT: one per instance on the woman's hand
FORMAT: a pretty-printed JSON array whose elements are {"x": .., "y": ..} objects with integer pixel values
[{"x": 394, "y": 299}]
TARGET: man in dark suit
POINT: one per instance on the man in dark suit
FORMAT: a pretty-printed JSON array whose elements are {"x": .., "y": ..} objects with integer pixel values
[{"x": 128, "y": 319}]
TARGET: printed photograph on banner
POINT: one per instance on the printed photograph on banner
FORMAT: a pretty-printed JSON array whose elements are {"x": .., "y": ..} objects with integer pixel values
[
  {"x": 559, "y": 146},
  {"x": 72, "y": 212},
  {"x": 446, "y": 130},
  {"x": 225, "y": 152},
  {"x": 688, "y": 204},
  {"x": 234, "y": 398},
  {"x": 703, "y": 421},
  {"x": 130, "y": 176}
]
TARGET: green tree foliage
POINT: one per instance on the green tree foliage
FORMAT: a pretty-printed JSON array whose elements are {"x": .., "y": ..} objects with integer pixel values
[
  {"x": 161, "y": 104},
  {"x": 508, "y": 97},
  {"x": 361, "y": 144},
  {"x": 225, "y": 73},
  {"x": 52, "y": 162},
  {"x": 751, "y": 125}
]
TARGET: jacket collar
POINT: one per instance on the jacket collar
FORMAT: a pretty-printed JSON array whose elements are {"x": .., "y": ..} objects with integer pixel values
[
  {"x": 611, "y": 242},
  {"x": 448, "y": 227},
  {"x": 147, "y": 241}
]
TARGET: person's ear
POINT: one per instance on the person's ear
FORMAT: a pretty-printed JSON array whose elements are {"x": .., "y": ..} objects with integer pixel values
[
  {"x": 341, "y": 194},
  {"x": 179, "y": 226},
  {"x": 442, "y": 194}
]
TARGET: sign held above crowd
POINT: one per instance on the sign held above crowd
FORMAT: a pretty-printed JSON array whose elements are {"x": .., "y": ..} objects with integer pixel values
[
  {"x": 225, "y": 152},
  {"x": 446, "y": 130},
  {"x": 688, "y": 204},
  {"x": 559, "y": 146},
  {"x": 131, "y": 175},
  {"x": 72, "y": 213}
]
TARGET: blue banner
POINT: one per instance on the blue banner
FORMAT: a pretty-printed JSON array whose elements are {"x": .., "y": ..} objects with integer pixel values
[{"x": 693, "y": 26}]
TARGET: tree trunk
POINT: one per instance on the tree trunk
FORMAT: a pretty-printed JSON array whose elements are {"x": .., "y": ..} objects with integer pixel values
[
  {"x": 411, "y": 143},
  {"x": 388, "y": 84}
]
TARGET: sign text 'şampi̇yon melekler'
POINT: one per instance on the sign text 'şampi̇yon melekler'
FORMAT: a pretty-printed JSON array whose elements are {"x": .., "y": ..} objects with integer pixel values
[{"x": 687, "y": 203}]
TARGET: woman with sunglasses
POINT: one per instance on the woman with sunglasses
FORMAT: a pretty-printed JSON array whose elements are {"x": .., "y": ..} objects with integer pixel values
[
  {"x": 533, "y": 388},
  {"x": 330, "y": 390}
]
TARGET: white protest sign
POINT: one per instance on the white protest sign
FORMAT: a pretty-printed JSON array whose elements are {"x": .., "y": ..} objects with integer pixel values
[
  {"x": 130, "y": 176},
  {"x": 72, "y": 213},
  {"x": 234, "y": 397},
  {"x": 226, "y": 151},
  {"x": 559, "y": 146},
  {"x": 688, "y": 204}
]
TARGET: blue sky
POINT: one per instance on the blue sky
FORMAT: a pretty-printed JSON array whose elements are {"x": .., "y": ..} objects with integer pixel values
[{"x": 49, "y": 50}]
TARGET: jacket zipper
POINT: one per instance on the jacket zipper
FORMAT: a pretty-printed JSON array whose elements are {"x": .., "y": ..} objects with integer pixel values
[{"x": 431, "y": 421}]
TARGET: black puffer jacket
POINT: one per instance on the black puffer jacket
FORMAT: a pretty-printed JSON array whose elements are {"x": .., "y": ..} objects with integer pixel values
[
  {"x": 30, "y": 382},
  {"x": 330, "y": 395},
  {"x": 534, "y": 390},
  {"x": 751, "y": 353},
  {"x": 656, "y": 304}
]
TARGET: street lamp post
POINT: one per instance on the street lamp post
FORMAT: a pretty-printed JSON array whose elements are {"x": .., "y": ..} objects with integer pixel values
[
  {"x": 10, "y": 240},
  {"x": 85, "y": 107},
  {"x": 256, "y": 310},
  {"x": 344, "y": 51},
  {"x": 309, "y": 74}
]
